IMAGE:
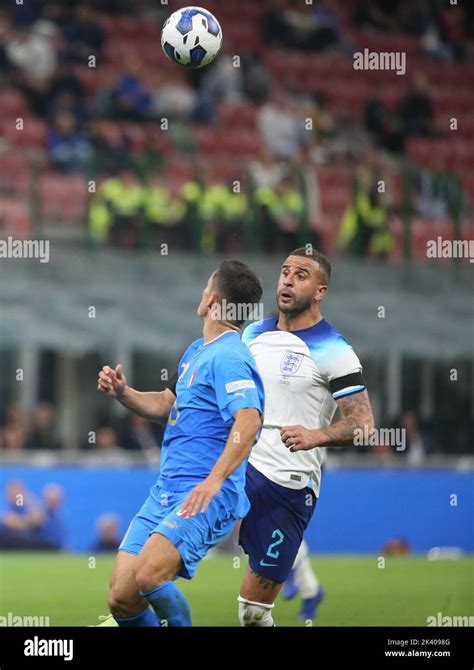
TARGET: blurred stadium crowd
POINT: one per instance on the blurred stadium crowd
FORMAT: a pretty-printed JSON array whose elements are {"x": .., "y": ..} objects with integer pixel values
[
  {"x": 21, "y": 432},
  {"x": 29, "y": 521},
  {"x": 283, "y": 145}
]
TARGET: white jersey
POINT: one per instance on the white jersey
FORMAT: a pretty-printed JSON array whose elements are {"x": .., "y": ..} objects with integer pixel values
[{"x": 304, "y": 372}]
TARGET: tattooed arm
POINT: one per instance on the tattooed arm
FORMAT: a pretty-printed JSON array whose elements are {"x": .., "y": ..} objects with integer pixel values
[{"x": 356, "y": 414}]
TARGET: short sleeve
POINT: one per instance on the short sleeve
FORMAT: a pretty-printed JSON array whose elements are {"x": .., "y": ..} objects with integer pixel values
[
  {"x": 342, "y": 369},
  {"x": 237, "y": 385}
]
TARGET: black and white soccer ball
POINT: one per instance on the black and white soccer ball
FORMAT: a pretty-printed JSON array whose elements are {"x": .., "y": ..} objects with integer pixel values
[{"x": 191, "y": 37}]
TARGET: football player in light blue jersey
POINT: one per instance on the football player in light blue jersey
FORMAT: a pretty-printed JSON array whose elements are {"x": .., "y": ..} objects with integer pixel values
[{"x": 213, "y": 407}]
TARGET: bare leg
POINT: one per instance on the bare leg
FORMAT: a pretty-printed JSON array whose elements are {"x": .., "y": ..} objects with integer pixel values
[
  {"x": 124, "y": 599},
  {"x": 158, "y": 564},
  {"x": 159, "y": 561}
]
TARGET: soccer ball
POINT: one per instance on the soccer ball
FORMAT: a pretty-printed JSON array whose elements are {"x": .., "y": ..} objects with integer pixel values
[{"x": 191, "y": 37}]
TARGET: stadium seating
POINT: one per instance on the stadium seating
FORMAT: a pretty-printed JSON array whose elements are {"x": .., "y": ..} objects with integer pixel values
[
  {"x": 15, "y": 218},
  {"x": 63, "y": 198},
  {"x": 223, "y": 148}
]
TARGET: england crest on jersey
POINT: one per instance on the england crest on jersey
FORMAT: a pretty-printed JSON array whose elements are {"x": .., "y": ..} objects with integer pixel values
[{"x": 290, "y": 362}]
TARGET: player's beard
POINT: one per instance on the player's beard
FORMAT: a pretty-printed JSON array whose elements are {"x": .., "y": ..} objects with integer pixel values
[{"x": 297, "y": 307}]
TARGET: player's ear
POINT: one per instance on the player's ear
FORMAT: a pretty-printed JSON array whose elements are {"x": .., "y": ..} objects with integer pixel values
[
  {"x": 320, "y": 292},
  {"x": 213, "y": 299}
]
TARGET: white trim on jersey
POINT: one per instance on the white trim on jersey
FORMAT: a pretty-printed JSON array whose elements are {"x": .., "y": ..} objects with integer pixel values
[{"x": 349, "y": 390}]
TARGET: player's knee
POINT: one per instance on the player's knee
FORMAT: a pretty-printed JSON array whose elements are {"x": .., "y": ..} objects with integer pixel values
[
  {"x": 120, "y": 605},
  {"x": 255, "y": 614},
  {"x": 148, "y": 577}
]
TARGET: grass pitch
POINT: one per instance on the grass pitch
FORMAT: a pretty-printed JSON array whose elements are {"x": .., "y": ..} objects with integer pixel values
[{"x": 71, "y": 589}]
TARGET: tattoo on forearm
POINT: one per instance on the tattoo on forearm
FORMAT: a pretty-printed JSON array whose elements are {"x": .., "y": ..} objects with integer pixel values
[{"x": 356, "y": 414}]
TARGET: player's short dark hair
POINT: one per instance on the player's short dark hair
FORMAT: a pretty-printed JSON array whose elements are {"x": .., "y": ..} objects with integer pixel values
[
  {"x": 321, "y": 260},
  {"x": 238, "y": 284}
]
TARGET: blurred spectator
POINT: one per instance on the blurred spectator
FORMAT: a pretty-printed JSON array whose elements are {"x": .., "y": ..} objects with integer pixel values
[
  {"x": 416, "y": 108},
  {"x": 381, "y": 123},
  {"x": 52, "y": 528},
  {"x": 280, "y": 122},
  {"x": 25, "y": 14},
  {"x": 66, "y": 103},
  {"x": 164, "y": 215},
  {"x": 433, "y": 45},
  {"x": 418, "y": 442},
  {"x": 315, "y": 29},
  {"x": 43, "y": 432},
  {"x": 109, "y": 152},
  {"x": 438, "y": 192},
  {"x": 282, "y": 210},
  {"x": 108, "y": 531},
  {"x": 138, "y": 434},
  {"x": 323, "y": 121},
  {"x": 83, "y": 34},
  {"x": 257, "y": 79},
  {"x": 173, "y": 97},
  {"x": 454, "y": 29},
  {"x": 20, "y": 520},
  {"x": 116, "y": 212},
  {"x": 225, "y": 213},
  {"x": 33, "y": 52},
  {"x": 68, "y": 148},
  {"x": 415, "y": 17},
  {"x": 106, "y": 439},
  {"x": 364, "y": 227},
  {"x": 223, "y": 82},
  {"x": 266, "y": 171},
  {"x": 65, "y": 83},
  {"x": 381, "y": 14},
  {"x": 131, "y": 101},
  {"x": 14, "y": 433}
]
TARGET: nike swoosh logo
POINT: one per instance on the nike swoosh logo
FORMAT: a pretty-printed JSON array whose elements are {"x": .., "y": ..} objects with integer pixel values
[{"x": 268, "y": 565}]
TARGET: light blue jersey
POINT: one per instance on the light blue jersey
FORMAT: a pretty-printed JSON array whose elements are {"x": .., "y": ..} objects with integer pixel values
[{"x": 216, "y": 379}]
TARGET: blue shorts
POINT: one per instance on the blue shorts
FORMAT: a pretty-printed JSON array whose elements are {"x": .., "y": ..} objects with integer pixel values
[
  {"x": 192, "y": 537},
  {"x": 272, "y": 531}
]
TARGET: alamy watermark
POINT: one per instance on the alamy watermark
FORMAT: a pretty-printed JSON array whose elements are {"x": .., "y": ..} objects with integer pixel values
[
  {"x": 11, "y": 248},
  {"x": 380, "y": 437},
  {"x": 449, "y": 621},
  {"x": 13, "y": 620},
  {"x": 440, "y": 248},
  {"x": 383, "y": 60},
  {"x": 242, "y": 311}
]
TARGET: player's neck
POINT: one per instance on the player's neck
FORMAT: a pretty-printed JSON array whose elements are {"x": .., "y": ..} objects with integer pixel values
[
  {"x": 299, "y": 322},
  {"x": 213, "y": 329}
]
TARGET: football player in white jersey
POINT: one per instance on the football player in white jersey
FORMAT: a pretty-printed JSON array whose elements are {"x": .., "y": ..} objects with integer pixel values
[{"x": 308, "y": 371}]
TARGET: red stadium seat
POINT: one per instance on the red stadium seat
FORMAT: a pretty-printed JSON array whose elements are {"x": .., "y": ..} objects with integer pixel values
[
  {"x": 15, "y": 218},
  {"x": 63, "y": 198},
  {"x": 14, "y": 175},
  {"x": 238, "y": 116},
  {"x": 13, "y": 104},
  {"x": 31, "y": 136}
]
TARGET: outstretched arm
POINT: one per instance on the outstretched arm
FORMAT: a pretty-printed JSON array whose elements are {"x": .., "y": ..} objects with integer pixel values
[
  {"x": 154, "y": 406},
  {"x": 356, "y": 415}
]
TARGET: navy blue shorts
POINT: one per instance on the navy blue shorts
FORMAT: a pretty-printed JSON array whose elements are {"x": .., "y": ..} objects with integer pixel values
[{"x": 272, "y": 531}]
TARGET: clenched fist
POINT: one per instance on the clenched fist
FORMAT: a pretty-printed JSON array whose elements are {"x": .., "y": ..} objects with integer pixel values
[{"x": 112, "y": 382}]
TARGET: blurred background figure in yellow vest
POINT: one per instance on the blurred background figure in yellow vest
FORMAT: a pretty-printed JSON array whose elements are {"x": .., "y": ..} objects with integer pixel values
[{"x": 364, "y": 227}]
